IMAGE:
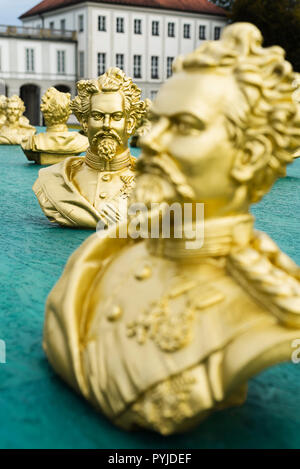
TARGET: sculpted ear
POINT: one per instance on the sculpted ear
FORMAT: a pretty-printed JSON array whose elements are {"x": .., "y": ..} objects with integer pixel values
[
  {"x": 131, "y": 123},
  {"x": 254, "y": 156},
  {"x": 84, "y": 125}
]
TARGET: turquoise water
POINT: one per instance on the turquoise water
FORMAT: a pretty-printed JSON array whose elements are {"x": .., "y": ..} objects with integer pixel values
[{"x": 38, "y": 411}]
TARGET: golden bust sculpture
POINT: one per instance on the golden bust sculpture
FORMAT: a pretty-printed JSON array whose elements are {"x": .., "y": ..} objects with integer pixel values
[
  {"x": 17, "y": 126},
  {"x": 84, "y": 191},
  {"x": 3, "y": 105},
  {"x": 161, "y": 332},
  {"x": 57, "y": 142}
]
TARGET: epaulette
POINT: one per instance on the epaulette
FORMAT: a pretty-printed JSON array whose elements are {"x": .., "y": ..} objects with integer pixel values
[{"x": 270, "y": 277}]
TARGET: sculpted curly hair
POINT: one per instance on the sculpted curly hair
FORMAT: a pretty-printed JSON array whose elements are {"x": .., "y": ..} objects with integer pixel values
[
  {"x": 55, "y": 106},
  {"x": 111, "y": 81},
  {"x": 266, "y": 128}
]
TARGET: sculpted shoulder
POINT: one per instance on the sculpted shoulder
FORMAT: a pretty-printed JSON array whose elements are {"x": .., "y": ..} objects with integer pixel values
[
  {"x": 68, "y": 143},
  {"x": 59, "y": 198}
]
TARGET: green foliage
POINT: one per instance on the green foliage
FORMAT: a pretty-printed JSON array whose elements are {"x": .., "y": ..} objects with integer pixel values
[
  {"x": 278, "y": 20},
  {"x": 227, "y": 4}
]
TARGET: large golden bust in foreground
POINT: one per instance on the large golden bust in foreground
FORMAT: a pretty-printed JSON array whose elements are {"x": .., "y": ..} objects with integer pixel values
[
  {"x": 57, "y": 142},
  {"x": 84, "y": 191},
  {"x": 16, "y": 126},
  {"x": 161, "y": 332}
]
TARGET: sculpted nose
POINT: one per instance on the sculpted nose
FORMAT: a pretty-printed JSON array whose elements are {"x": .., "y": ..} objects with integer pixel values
[
  {"x": 152, "y": 141},
  {"x": 106, "y": 122}
]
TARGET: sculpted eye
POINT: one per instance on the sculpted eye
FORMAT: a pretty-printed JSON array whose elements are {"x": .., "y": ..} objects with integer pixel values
[
  {"x": 118, "y": 116},
  {"x": 189, "y": 126},
  {"x": 184, "y": 127},
  {"x": 97, "y": 116}
]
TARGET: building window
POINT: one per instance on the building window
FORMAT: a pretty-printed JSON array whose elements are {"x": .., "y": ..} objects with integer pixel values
[
  {"x": 154, "y": 67},
  {"x": 101, "y": 23},
  {"x": 29, "y": 60},
  {"x": 217, "y": 32},
  {"x": 153, "y": 94},
  {"x": 171, "y": 29},
  {"x": 101, "y": 63},
  {"x": 80, "y": 23},
  {"x": 51, "y": 25},
  {"x": 81, "y": 64},
  {"x": 187, "y": 31},
  {"x": 120, "y": 61},
  {"x": 137, "y": 66},
  {"x": 202, "y": 32},
  {"x": 61, "y": 61},
  {"x": 63, "y": 25},
  {"x": 120, "y": 25},
  {"x": 137, "y": 26},
  {"x": 155, "y": 28},
  {"x": 169, "y": 66}
]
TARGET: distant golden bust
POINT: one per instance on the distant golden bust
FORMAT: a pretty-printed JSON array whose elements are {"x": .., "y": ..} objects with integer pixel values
[
  {"x": 161, "y": 332},
  {"x": 86, "y": 191},
  {"x": 3, "y": 105},
  {"x": 57, "y": 142},
  {"x": 16, "y": 126}
]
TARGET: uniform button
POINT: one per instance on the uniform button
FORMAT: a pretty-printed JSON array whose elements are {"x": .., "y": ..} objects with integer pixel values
[
  {"x": 106, "y": 177},
  {"x": 103, "y": 195}
]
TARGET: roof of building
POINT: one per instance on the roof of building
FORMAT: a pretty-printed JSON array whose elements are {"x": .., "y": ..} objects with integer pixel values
[{"x": 189, "y": 6}]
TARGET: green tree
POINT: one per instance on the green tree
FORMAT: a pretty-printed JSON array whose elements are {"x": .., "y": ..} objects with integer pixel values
[
  {"x": 227, "y": 4},
  {"x": 278, "y": 20}
]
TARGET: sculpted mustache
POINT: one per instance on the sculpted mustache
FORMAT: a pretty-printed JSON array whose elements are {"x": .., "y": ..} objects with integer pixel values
[
  {"x": 110, "y": 134},
  {"x": 165, "y": 167}
]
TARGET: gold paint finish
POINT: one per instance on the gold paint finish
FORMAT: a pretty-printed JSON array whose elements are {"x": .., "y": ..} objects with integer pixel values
[
  {"x": 57, "y": 143},
  {"x": 3, "y": 105},
  {"x": 71, "y": 193},
  {"x": 144, "y": 125},
  {"x": 15, "y": 127},
  {"x": 196, "y": 324}
]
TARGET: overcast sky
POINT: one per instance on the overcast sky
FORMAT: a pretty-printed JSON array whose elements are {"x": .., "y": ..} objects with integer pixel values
[{"x": 11, "y": 9}]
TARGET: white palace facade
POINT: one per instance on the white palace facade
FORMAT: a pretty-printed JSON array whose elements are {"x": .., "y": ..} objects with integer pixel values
[{"x": 62, "y": 41}]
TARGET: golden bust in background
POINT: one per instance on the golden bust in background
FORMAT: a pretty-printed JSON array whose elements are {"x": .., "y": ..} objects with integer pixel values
[
  {"x": 84, "y": 191},
  {"x": 160, "y": 333},
  {"x": 57, "y": 142},
  {"x": 16, "y": 127},
  {"x": 3, "y": 105}
]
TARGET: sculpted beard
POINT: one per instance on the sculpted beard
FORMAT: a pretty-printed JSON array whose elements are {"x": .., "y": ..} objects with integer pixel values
[
  {"x": 159, "y": 180},
  {"x": 106, "y": 144},
  {"x": 107, "y": 147}
]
